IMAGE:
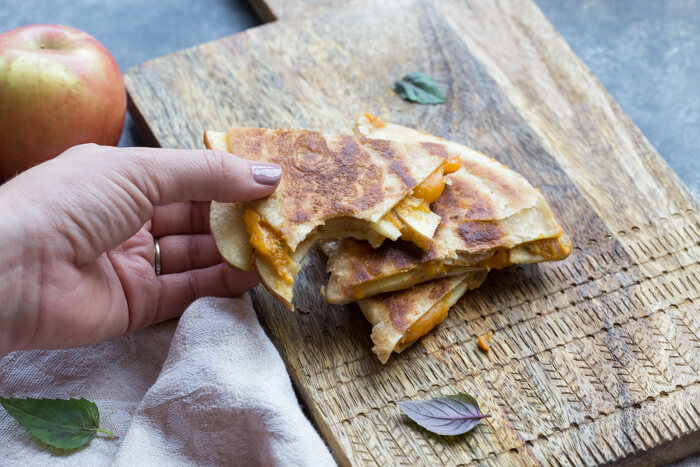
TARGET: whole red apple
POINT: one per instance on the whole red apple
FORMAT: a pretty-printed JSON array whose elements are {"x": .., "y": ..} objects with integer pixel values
[{"x": 58, "y": 87}]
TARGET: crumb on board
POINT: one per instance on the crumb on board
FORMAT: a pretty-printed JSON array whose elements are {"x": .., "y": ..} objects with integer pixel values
[
  {"x": 484, "y": 342},
  {"x": 374, "y": 120}
]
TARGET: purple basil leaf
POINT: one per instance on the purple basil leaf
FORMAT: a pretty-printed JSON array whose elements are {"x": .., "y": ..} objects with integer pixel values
[{"x": 446, "y": 415}]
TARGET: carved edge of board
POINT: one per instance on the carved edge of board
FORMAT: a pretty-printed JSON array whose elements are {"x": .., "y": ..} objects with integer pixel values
[
  {"x": 601, "y": 278},
  {"x": 555, "y": 326},
  {"x": 551, "y": 330},
  {"x": 563, "y": 412},
  {"x": 645, "y": 421},
  {"x": 665, "y": 453},
  {"x": 672, "y": 328},
  {"x": 633, "y": 319}
]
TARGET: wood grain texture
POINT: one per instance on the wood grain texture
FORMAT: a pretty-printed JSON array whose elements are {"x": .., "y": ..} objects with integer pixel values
[{"x": 595, "y": 359}]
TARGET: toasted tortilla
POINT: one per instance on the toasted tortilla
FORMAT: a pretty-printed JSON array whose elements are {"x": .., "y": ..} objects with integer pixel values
[
  {"x": 401, "y": 318},
  {"x": 491, "y": 217},
  {"x": 331, "y": 186},
  {"x": 495, "y": 191},
  {"x": 231, "y": 238}
]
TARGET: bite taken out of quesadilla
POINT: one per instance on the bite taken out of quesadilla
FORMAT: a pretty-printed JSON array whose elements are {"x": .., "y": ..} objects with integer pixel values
[
  {"x": 491, "y": 217},
  {"x": 332, "y": 187}
]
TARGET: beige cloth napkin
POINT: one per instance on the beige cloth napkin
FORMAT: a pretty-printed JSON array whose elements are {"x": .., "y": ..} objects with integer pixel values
[{"x": 210, "y": 389}]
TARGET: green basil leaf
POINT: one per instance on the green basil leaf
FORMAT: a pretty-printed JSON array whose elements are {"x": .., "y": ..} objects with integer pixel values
[
  {"x": 420, "y": 88},
  {"x": 61, "y": 423},
  {"x": 445, "y": 415}
]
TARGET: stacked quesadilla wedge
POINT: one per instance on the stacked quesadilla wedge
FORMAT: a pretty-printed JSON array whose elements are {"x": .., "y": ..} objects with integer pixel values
[
  {"x": 409, "y": 221},
  {"x": 400, "y": 318},
  {"x": 332, "y": 186},
  {"x": 491, "y": 217}
]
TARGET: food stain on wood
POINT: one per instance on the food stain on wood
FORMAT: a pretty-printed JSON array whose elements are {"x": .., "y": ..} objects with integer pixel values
[{"x": 484, "y": 342}]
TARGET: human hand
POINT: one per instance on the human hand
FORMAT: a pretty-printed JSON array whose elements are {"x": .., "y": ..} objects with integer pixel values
[{"x": 77, "y": 241}]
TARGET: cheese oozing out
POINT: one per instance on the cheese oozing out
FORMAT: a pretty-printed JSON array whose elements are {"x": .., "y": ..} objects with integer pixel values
[
  {"x": 412, "y": 219},
  {"x": 536, "y": 251},
  {"x": 434, "y": 316},
  {"x": 269, "y": 246}
]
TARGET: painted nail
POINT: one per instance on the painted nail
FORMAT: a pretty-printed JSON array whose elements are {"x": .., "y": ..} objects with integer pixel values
[{"x": 266, "y": 174}]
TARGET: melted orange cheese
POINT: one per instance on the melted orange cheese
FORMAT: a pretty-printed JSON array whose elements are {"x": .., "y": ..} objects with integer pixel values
[
  {"x": 499, "y": 260},
  {"x": 433, "y": 186},
  {"x": 420, "y": 199},
  {"x": 418, "y": 275},
  {"x": 268, "y": 245},
  {"x": 428, "y": 321},
  {"x": 550, "y": 249}
]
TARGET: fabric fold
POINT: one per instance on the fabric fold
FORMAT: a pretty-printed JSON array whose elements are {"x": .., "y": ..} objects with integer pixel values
[{"x": 213, "y": 391}]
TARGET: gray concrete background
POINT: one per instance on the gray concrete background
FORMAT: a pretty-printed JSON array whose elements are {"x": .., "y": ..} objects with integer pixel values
[{"x": 645, "y": 52}]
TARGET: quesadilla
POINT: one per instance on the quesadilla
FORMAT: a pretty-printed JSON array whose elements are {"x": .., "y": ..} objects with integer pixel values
[
  {"x": 400, "y": 318},
  {"x": 491, "y": 217},
  {"x": 332, "y": 187}
]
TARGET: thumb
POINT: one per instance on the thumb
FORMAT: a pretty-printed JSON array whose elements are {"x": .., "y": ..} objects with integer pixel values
[{"x": 170, "y": 175}]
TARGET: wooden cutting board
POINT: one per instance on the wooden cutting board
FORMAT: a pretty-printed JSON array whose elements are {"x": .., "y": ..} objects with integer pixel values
[{"x": 595, "y": 359}]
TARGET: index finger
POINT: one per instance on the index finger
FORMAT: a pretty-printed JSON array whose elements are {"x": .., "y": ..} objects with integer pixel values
[{"x": 165, "y": 176}]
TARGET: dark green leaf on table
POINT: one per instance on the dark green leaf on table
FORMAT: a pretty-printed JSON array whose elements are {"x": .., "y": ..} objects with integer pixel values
[
  {"x": 61, "y": 423},
  {"x": 420, "y": 88},
  {"x": 446, "y": 415}
]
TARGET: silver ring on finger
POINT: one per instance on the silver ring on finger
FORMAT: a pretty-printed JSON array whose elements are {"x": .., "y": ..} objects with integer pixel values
[{"x": 156, "y": 257}]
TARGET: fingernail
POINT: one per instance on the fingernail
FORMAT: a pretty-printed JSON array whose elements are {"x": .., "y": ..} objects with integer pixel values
[{"x": 266, "y": 174}]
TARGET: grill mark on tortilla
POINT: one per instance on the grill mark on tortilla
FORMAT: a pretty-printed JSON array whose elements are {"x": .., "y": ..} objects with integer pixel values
[
  {"x": 463, "y": 200},
  {"x": 320, "y": 164},
  {"x": 387, "y": 150},
  {"x": 359, "y": 273},
  {"x": 439, "y": 289},
  {"x": 493, "y": 177},
  {"x": 398, "y": 306},
  {"x": 480, "y": 235},
  {"x": 402, "y": 254},
  {"x": 435, "y": 149},
  {"x": 373, "y": 177},
  {"x": 311, "y": 151},
  {"x": 367, "y": 263},
  {"x": 320, "y": 176}
]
